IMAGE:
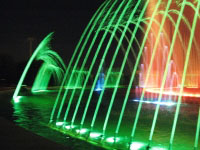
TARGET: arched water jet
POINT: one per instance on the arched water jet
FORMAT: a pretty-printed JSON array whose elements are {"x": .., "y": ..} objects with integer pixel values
[
  {"x": 52, "y": 66},
  {"x": 92, "y": 64},
  {"x": 155, "y": 28},
  {"x": 100, "y": 66},
  {"x": 50, "y": 58},
  {"x": 76, "y": 50}
]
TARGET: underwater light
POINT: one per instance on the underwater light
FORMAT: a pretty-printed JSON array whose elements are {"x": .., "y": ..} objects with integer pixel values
[
  {"x": 40, "y": 91},
  {"x": 95, "y": 135},
  {"x": 158, "y": 148},
  {"x": 98, "y": 89},
  {"x": 187, "y": 91},
  {"x": 17, "y": 99},
  {"x": 165, "y": 103},
  {"x": 59, "y": 123},
  {"x": 156, "y": 102},
  {"x": 112, "y": 139},
  {"x": 82, "y": 131},
  {"x": 43, "y": 91},
  {"x": 136, "y": 145},
  {"x": 69, "y": 127}
]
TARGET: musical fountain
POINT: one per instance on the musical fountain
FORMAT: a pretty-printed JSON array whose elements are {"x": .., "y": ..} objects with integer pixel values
[{"x": 133, "y": 81}]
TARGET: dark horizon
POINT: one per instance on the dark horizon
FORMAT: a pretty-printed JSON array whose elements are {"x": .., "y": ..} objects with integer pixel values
[{"x": 21, "y": 20}]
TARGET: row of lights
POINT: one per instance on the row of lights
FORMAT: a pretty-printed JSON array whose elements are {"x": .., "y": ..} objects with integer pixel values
[{"x": 133, "y": 145}]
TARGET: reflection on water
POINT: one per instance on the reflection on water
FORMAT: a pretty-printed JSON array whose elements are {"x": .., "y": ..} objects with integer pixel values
[
  {"x": 32, "y": 113},
  {"x": 33, "y": 110}
]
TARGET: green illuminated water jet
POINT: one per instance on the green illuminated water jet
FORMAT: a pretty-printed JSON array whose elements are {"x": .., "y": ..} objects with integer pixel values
[
  {"x": 136, "y": 63},
  {"x": 53, "y": 65}
]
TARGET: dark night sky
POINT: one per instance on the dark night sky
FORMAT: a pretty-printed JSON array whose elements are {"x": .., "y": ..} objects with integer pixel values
[{"x": 31, "y": 18}]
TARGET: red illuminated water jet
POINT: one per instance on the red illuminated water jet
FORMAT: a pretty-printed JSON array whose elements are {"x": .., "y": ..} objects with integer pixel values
[{"x": 172, "y": 86}]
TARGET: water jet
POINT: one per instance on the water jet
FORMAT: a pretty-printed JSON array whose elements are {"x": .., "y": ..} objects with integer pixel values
[{"x": 143, "y": 58}]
